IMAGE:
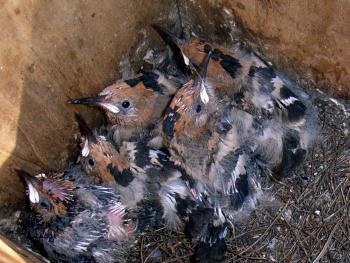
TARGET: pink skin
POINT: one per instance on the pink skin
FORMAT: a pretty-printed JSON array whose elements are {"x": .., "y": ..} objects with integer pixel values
[{"x": 119, "y": 228}]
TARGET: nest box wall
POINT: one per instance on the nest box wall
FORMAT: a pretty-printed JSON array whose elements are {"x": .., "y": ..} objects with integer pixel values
[
  {"x": 51, "y": 51},
  {"x": 310, "y": 37}
]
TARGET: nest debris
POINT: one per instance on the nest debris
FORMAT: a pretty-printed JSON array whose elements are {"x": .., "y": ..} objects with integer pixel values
[{"x": 308, "y": 219}]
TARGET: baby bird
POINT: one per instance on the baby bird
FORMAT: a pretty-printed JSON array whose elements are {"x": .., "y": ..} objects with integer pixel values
[
  {"x": 144, "y": 177},
  {"x": 211, "y": 144},
  {"x": 204, "y": 138},
  {"x": 156, "y": 189},
  {"x": 239, "y": 76},
  {"x": 78, "y": 223},
  {"x": 134, "y": 106}
]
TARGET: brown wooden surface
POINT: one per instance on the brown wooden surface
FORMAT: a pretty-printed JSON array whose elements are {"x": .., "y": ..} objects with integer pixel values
[
  {"x": 309, "y": 38},
  {"x": 51, "y": 51},
  {"x": 12, "y": 253}
]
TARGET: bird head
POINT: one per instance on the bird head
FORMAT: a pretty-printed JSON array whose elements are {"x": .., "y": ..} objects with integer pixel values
[
  {"x": 193, "y": 49},
  {"x": 131, "y": 103},
  {"x": 49, "y": 195},
  {"x": 100, "y": 158},
  {"x": 224, "y": 67},
  {"x": 192, "y": 105}
]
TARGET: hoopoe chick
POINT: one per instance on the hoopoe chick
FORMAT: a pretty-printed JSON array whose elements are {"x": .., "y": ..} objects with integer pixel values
[
  {"x": 241, "y": 77},
  {"x": 204, "y": 140},
  {"x": 209, "y": 145},
  {"x": 134, "y": 106},
  {"x": 78, "y": 223},
  {"x": 146, "y": 180},
  {"x": 149, "y": 183}
]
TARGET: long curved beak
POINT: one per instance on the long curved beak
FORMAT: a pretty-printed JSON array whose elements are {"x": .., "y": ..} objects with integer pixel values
[
  {"x": 176, "y": 44},
  {"x": 169, "y": 36},
  {"x": 201, "y": 72},
  {"x": 204, "y": 66},
  {"x": 99, "y": 101},
  {"x": 202, "y": 75},
  {"x": 28, "y": 178},
  {"x": 84, "y": 128},
  {"x": 92, "y": 101}
]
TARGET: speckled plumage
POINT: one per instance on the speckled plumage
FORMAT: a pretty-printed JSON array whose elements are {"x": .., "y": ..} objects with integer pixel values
[
  {"x": 144, "y": 177},
  {"x": 216, "y": 158},
  {"x": 78, "y": 222},
  {"x": 211, "y": 144},
  {"x": 241, "y": 78}
]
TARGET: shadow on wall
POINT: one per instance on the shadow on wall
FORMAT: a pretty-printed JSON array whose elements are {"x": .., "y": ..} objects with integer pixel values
[
  {"x": 308, "y": 38},
  {"x": 54, "y": 51},
  {"x": 51, "y": 52}
]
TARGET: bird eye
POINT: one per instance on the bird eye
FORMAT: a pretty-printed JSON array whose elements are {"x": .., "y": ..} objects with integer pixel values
[
  {"x": 198, "y": 108},
  {"x": 44, "y": 204},
  {"x": 91, "y": 162},
  {"x": 126, "y": 104}
]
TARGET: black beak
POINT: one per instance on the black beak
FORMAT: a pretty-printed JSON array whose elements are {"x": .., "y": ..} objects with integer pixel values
[
  {"x": 99, "y": 101},
  {"x": 168, "y": 36},
  {"x": 27, "y": 177},
  {"x": 84, "y": 128},
  {"x": 200, "y": 73},
  {"x": 175, "y": 43},
  {"x": 92, "y": 101},
  {"x": 204, "y": 66}
]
